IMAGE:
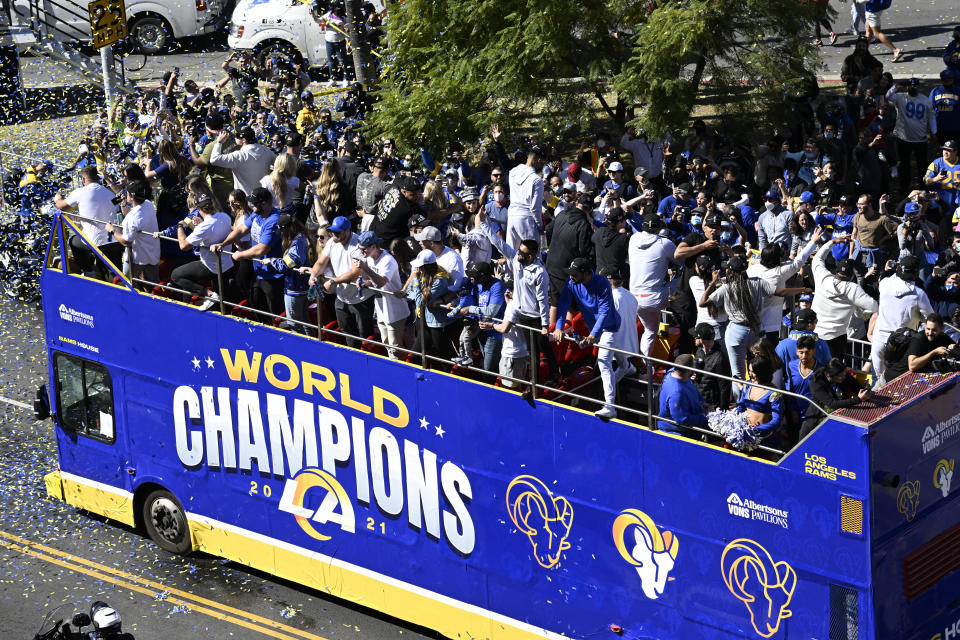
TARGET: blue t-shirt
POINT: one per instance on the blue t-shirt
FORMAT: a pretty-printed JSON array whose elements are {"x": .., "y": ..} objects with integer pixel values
[
  {"x": 800, "y": 384},
  {"x": 946, "y": 104},
  {"x": 265, "y": 231},
  {"x": 949, "y": 188}
]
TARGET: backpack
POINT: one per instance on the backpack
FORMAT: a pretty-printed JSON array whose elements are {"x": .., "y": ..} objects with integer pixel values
[
  {"x": 876, "y": 6},
  {"x": 897, "y": 345}
]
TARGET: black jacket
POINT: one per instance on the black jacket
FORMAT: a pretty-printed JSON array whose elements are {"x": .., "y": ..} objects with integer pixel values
[
  {"x": 571, "y": 236},
  {"x": 610, "y": 247},
  {"x": 822, "y": 392},
  {"x": 714, "y": 390}
]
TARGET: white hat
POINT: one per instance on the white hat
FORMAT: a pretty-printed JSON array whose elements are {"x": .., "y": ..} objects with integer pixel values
[
  {"x": 424, "y": 257},
  {"x": 615, "y": 166}
]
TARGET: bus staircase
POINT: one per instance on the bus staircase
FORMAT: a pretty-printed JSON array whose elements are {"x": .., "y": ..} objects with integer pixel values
[{"x": 36, "y": 27}]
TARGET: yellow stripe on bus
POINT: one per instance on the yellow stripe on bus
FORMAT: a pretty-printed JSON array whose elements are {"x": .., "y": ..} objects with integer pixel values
[{"x": 399, "y": 600}]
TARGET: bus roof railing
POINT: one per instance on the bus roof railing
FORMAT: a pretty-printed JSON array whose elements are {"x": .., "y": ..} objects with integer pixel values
[{"x": 533, "y": 385}]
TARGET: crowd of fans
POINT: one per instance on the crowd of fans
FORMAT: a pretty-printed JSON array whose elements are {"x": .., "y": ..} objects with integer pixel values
[{"x": 767, "y": 257}]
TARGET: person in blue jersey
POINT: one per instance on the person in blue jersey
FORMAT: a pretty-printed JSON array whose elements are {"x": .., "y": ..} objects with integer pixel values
[
  {"x": 680, "y": 400},
  {"x": 946, "y": 104},
  {"x": 764, "y": 408},
  {"x": 943, "y": 174},
  {"x": 265, "y": 242},
  {"x": 295, "y": 244},
  {"x": 839, "y": 221},
  {"x": 799, "y": 373},
  {"x": 682, "y": 196},
  {"x": 595, "y": 301},
  {"x": 806, "y": 326},
  {"x": 486, "y": 302}
]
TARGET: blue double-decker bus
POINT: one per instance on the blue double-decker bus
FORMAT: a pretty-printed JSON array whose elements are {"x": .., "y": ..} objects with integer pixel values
[{"x": 478, "y": 512}]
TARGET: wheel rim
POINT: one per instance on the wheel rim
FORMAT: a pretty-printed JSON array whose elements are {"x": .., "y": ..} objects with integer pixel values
[
  {"x": 149, "y": 35},
  {"x": 167, "y": 519}
]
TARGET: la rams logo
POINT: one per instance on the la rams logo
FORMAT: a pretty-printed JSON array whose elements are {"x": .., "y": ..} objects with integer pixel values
[
  {"x": 908, "y": 499},
  {"x": 544, "y": 519},
  {"x": 765, "y": 587},
  {"x": 943, "y": 475},
  {"x": 295, "y": 490},
  {"x": 653, "y": 552}
]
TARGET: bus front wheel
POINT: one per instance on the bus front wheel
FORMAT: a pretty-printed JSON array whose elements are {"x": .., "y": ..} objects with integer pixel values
[{"x": 166, "y": 523}]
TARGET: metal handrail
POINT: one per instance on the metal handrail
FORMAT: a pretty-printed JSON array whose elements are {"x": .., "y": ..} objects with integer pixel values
[{"x": 533, "y": 384}]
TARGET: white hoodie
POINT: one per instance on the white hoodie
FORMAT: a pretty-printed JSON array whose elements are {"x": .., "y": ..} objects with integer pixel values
[
  {"x": 650, "y": 256},
  {"x": 901, "y": 303},
  {"x": 526, "y": 193},
  {"x": 835, "y": 301}
]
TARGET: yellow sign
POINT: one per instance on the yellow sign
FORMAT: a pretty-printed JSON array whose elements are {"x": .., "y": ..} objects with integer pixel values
[{"x": 108, "y": 22}]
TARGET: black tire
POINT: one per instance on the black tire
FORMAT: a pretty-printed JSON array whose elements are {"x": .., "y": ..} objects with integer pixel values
[
  {"x": 152, "y": 34},
  {"x": 166, "y": 523},
  {"x": 278, "y": 47}
]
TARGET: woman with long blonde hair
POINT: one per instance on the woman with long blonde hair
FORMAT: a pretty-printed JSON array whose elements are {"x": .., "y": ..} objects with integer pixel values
[
  {"x": 282, "y": 182},
  {"x": 328, "y": 200}
]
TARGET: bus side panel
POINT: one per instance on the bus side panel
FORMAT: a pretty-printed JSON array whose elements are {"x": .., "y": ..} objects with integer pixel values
[
  {"x": 914, "y": 493},
  {"x": 459, "y": 506}
]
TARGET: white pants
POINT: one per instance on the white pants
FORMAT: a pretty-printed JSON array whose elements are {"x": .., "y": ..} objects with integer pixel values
[
  {"x": 876, "y": 354},
  {"x": 605, "y": 358},
  {"x": 521, "y": 228},
  {"x": 392, "y": 335},
  {"x": 650, "y": 319}
]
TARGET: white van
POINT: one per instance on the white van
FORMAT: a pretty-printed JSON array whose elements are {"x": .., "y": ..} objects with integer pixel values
[
  {"x": 153, "y": 23},
  {"x": 289, "y": 27}
]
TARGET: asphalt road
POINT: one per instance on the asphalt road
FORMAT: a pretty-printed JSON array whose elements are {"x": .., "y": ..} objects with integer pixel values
[
  {"x": 51, "y": 553},
  {"x": 921, "y": 27}
]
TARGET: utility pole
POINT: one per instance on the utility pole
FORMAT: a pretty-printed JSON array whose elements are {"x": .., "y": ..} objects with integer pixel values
[{"x": 358, "y": 41}]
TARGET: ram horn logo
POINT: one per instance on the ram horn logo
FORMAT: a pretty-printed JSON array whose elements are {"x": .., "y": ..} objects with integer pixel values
[
  {"x": 943, "y": 475},
  {"x": 908, "y": 499},
  {"x": 546, "y": 520},
  {"x": 654, "y": 552},
  {"x": 764, "y": 586}
]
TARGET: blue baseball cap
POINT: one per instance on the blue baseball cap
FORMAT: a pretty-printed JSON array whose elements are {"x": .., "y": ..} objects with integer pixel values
[
  {"x": 339, "y": 224},
  {"x": 947, "y": 73},
  {"x": 807, "y": 197},
  {"x": 368, "y": 238},
  {"x": 911, "y": 207},
  {"x": 806, "y": 297},
  {"x": 773, "y": 194}
]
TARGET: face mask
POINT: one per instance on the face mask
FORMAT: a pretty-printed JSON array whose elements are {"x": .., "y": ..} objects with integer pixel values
[
  {"x": 769, "y": 206},
  {"x": 406, "y": 164},
  {"x": 499, "y": 197},
  {"x": 829, "y": 135},
  {"x": 601, "y": 143},
  {"x": 557, "y": 191},
  {"x": 696, "y": 220},
  {"x": 726, "y": 236},
  {"x": 949, "y": 287},
  {"x": 956, "y": 246}
]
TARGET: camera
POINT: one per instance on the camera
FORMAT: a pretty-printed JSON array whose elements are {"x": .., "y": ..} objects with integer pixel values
[
  {"x": 121, "y": 195},
  {"x": 949, "y": 364}
]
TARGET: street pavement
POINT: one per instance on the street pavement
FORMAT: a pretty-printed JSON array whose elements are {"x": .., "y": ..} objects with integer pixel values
[
  {"x": 52, "y": 553},
  {"x": 921, "y": 27}
]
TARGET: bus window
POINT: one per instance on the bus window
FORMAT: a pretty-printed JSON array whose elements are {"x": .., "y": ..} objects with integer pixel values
[{"x": 84, "y": 397}]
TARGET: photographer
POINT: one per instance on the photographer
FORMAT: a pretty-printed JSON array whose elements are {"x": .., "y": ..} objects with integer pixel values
[
  {"x": 916, "y": 237},
  {"x": 931, "y": 345}
]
